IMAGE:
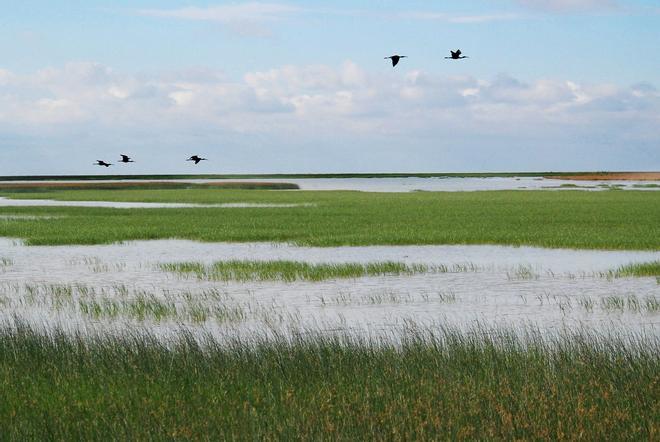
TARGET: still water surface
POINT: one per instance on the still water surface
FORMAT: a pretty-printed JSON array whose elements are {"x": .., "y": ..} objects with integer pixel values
[{"x": 510, "y": 287}]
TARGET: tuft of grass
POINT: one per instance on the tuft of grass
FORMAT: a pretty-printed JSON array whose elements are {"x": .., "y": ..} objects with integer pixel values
[
  {"x": 637, "y": 270},
  {"x": 652, "y": 304},
  {"x": 613, "y": 303},
  {"x": 288, "y": 271},
  {"x": 524, "y": 273},
  {"x": 477, "y": 385},
  {"x": 647, "y": 186}
]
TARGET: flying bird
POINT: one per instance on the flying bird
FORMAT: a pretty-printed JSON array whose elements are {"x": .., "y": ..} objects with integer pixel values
[
  {"x": 395, "y": 59},
  {"x": 456, "y": 55},
  {"x": 196, "y": 159},
  {"x": 102, "y": 163},
  {"x": 125, "y": 159}
]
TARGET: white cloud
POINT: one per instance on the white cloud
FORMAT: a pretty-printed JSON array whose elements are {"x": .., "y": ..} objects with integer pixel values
[
  {"x": 92, "y": 92},
  {"x": 254, "y": 16},
  {"x": 317, "y": 105},
  {"x": 237, "y": 13},
  {"x": 570, "y": 5},
  {"x": 457, "y": 18},
  {"x": 244, "y": 18}
]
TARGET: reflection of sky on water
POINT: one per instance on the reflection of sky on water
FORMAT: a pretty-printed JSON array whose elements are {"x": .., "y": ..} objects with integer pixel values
[
  {"x": 410, "y": 184},
  {"x": 487, "y": 285}
]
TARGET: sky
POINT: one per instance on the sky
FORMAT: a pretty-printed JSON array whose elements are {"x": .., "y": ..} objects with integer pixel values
[{"x": 303, "y": 86}]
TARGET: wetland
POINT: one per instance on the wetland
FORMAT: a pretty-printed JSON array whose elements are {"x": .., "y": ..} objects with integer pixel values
[{"x": 453, "y": 310}]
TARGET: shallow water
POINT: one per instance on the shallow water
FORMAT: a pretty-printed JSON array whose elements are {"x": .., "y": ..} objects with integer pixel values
[
  {"x": 438, "y": 184},
  {"x": 449, "y": 184},
  {"x": 486, "y": 285}
]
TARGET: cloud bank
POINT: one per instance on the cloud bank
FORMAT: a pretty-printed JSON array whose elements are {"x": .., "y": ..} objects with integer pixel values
[{"x": 301, "y": 118}]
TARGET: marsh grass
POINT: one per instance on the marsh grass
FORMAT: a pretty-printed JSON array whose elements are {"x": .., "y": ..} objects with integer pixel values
[
  {"x": 636, "y": 270},
  {"x": 445, "y": 384},
  {"x": 523, "y": 272},
  {"x": 120, "y": 302},
  {"x": 22, "y": 188},
  {"x": 652, "y": 305},
  {"x": 616, "y": 303},
  {"x": 647, "y": 186},
  {"x": 621, "y": 304},
  {"x": 289, "y": 271},
  {"x": 582, "y": 220}
]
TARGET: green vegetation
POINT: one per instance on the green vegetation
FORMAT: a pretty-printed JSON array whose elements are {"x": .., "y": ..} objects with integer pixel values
[
  {"x": 289, "y": 270},
  {"x": 637, "y": 269},
  {"x": 572, "y": 219},
  {"x": 570, "y": 186},
  {"x": 447, "y": 385},
  {"x": 146, "y": 185}
]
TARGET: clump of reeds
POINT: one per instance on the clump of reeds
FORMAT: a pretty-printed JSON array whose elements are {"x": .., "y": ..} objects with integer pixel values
[
  {"x": 432, "y": 384},
  {"x": 289, "y": 271},
  {"x": 636, "y": 269}
]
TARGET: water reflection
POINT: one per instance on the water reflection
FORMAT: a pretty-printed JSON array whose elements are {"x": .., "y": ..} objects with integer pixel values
[{"x": 112, "y": 286}]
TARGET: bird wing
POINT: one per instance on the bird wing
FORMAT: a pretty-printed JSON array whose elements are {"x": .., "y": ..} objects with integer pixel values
[
  {"x": 458, "y": 52},
  {"x": 124, "y": 157}
]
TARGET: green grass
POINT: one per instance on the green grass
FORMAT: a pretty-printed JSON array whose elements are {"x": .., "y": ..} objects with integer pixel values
[
  {"x": 572, "y": 219},
  {"x": 637, "y": 269},
  {"x": 289, "y": 270},
  {"x": 41, "y": 188},
  {"x": 452, "y": 385}
]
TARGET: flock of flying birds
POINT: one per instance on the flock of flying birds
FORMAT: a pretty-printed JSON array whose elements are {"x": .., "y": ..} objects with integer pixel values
[
  {"x": 127, "y": 159},
  {"x": 455, "y": 55}
]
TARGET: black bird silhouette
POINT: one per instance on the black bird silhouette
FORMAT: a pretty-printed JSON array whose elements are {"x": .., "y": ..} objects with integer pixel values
[
  {"x": 395, "y": 59},
  {"x": 125, "y": 159},
  {"x": 196, "y": 159},
  {"x": 102, "y": 163},
  {"x": 456, "y": 55}
]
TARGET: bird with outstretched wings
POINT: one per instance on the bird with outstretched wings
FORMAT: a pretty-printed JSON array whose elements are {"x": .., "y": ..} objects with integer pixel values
[
  {"x": 395, "y": 59},
  {"x": 196, "y": 159}
]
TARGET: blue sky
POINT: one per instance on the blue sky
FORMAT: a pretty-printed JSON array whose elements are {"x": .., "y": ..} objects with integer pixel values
[{"x": 302, "y": 86}]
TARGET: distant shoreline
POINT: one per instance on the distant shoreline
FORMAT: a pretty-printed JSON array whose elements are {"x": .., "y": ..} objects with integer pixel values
[
  {"x": 611, "y": 176},
  {"x": 619, "y": 176}
]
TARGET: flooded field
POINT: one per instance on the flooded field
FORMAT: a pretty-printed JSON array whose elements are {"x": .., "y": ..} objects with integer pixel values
[
  {"x": 449, "y": 184},
  {"x": 120, "y": 286},
  {"x": 412, "y": 184}
]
